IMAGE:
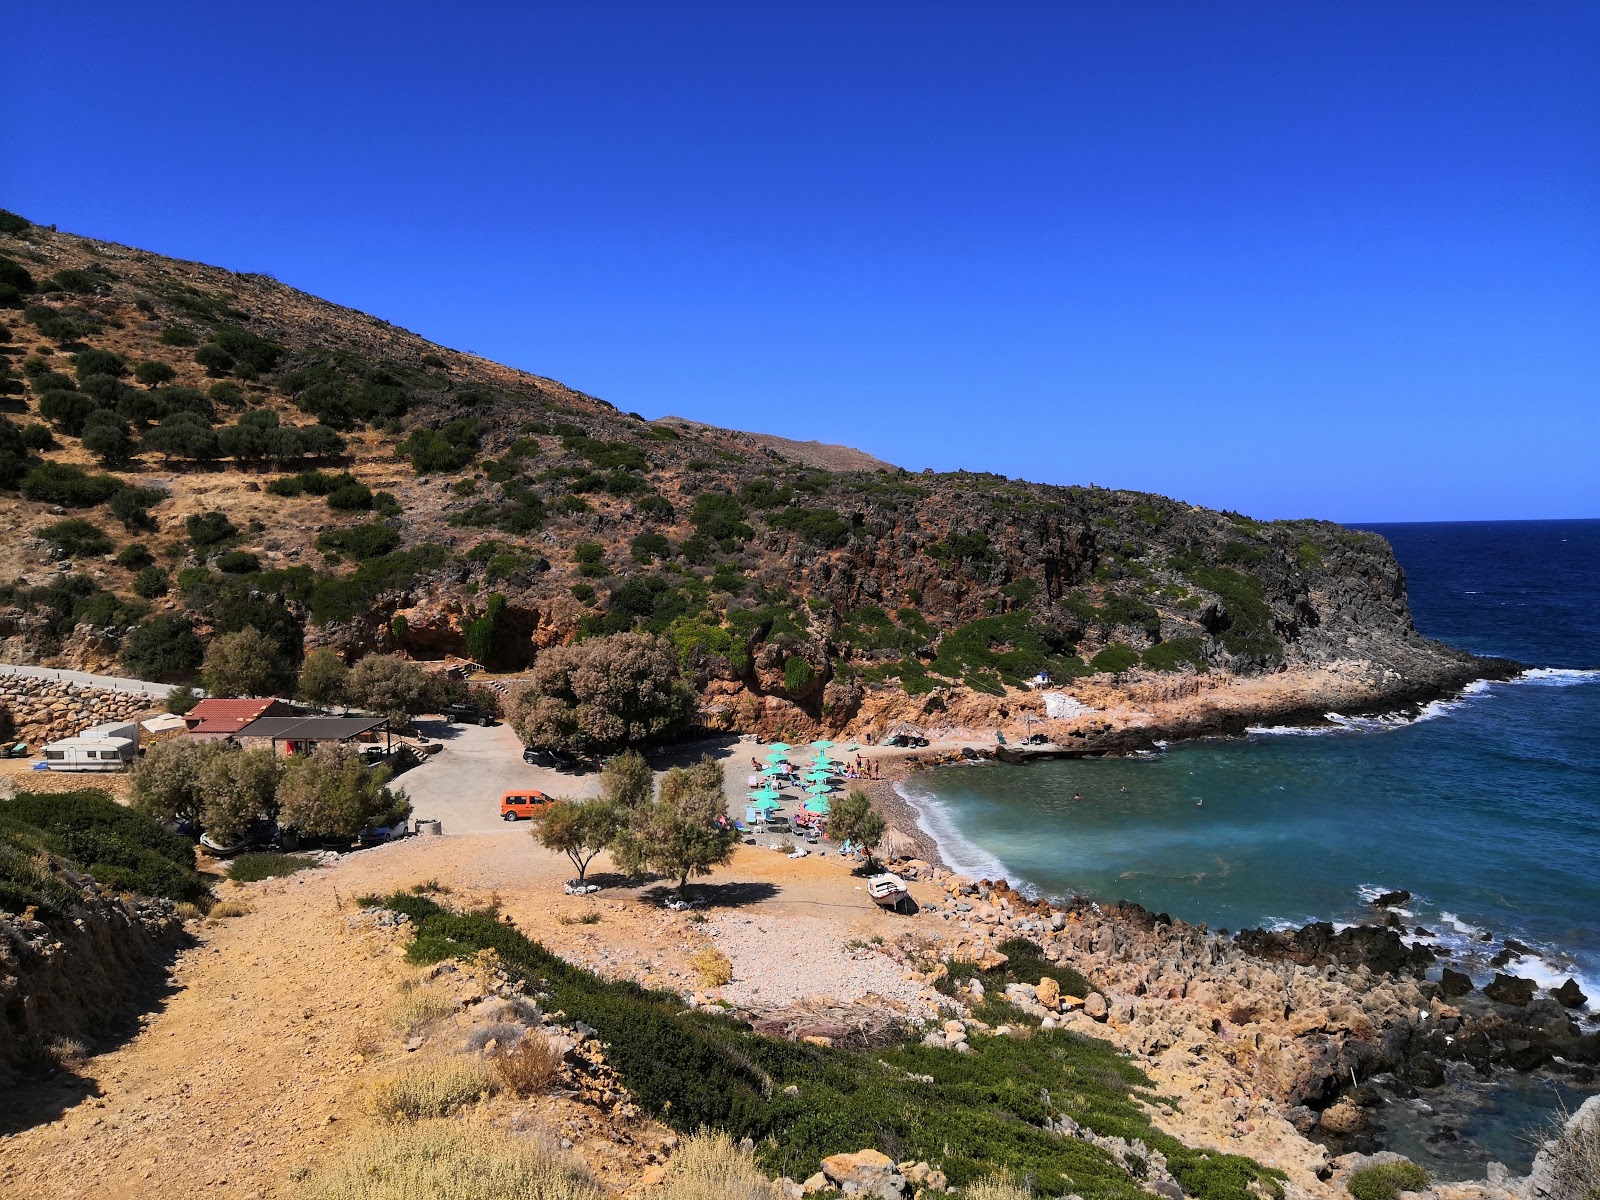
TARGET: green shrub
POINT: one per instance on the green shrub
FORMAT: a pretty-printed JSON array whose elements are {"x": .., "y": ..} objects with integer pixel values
[
  {"x": 1176, "y": 653},
  {"x": 178, "y": 335},
  {"x": 1385, "y": 1181},
  {"x": 131, "y": 506},
  {"x": 154, "y": 373},
  {"x": 360, "y": 541},
  {"x": 719, "y": 517},
  {"x": 822, "y": 526},
  {"x": 347, "y": 596},
  {"x": 134, "y": 556},
  {"x": 67, "y": 411},
  {"x": 798, "y": 675},
  {"x": 650, "y": 546},
  {"x": 1115, "y": 657},
  {"x": 68, "y": 486},
  {"x": 253, "y": 355},
  {"x": 254, "y": 867},
  {"x": 584, "y": 593},
  {"x": 354, "y": 496},
  {"x": 98, "y": 362},
  {"x": 447, "y": 449},
  {"x": 214, "y": 359},
  {"x": 210, "y": 529},
  {"x": 151, "y": 582},
  {"x": 76, "y": 537},
  {"x": 238, "y": 562},
  {"x": 1248, "y": 631},
  {"x": 106, "y": 436},
  {"x": 161, "y": 647},
  {"x": 10, "y": 222},
  {"x": 654, "y": 507},
  {"x": 37, "y": 437},
  {"x": 120, "y": 848}
]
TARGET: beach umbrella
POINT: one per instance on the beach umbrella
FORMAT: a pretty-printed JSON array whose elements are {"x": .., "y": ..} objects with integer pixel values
[
  {"x": 767, "y": 794},
  {"x": 819, "y": 807},
  {"x": 819, "y": 789},
  {"x": 818, "y": 777},
  {"x": 772, "y": 771},
  {"x": 774, "y": 759},
  {"x": 781, "y": 746},
  {"x": 821, "y": 744},
  {"x": 764, "y": 805}
]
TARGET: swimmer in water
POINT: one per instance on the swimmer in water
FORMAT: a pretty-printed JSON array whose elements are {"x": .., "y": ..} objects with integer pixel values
[{"x": 1077, "y": 795}]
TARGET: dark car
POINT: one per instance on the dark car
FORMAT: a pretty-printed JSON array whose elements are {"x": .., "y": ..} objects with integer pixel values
[
  {"x": 466, "y": 713},
  {"x": 554, "y": 759}
]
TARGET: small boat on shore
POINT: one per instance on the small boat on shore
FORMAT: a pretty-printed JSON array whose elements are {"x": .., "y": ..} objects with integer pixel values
[{"x": 888, "y": 891}]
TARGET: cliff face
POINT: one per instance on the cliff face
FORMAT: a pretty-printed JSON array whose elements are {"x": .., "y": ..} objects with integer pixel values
[{"x": 377, "y": 490}]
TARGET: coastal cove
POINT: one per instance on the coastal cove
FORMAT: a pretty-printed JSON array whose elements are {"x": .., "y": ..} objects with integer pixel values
[{"x": 1486, "y": 806}]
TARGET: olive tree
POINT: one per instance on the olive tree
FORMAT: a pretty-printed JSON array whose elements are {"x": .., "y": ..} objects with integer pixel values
[
  {"x": 245, "y": 663},
  {"x": 323, "y": 676},
  {"x": 627, "y": 782},
  {"x": 332, "y": 792},
  {"x": 238, "y": 790},
  {"x": 166, "y": 781},
  {"x": 388, "y": 684},
  {"x": 578, "y": 830},
  {"x": 602, "y": 695},
  {"x": 685, "y": 832}
]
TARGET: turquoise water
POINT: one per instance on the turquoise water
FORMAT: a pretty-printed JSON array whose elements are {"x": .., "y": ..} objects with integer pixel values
[{"x": 1487, "y": 808}]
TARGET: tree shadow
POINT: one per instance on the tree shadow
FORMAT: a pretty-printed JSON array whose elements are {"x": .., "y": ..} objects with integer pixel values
[
  {"x": 736, "y": 894},
  {"x": 38, "y": 1099}
]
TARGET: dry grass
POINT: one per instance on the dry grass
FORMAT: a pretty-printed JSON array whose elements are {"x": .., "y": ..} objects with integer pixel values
[
  {"x": 1572, "y": 1154},
  {"x": 417, "y": 1006},
  {"x": 710, "y": 1166},
  {"x": 449, "y": 1161},
  {"x": 185, "y": 911},
  {"x": 712, "y": 966},
  {"x": 997, "y": 1189},
  {"x": 430, "y": 1088},
  {"x": 224, "y": 909},
  {"x": 528, "y": 1067}
]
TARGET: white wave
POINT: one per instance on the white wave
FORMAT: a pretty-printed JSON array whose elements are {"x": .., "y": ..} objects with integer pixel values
[
  {"x": 1557, "y": 676},
  {"x": 1460, "y": 926},
  {"x": 961, "y": 852}
]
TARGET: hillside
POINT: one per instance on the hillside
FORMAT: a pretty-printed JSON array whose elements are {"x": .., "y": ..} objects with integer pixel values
[{"x": 191, "y": 449}]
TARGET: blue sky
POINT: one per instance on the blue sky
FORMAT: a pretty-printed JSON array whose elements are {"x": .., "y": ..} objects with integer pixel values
[{"x": 1338, "y": 260}]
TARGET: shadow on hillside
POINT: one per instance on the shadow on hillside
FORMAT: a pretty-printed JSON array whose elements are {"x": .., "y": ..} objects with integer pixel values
[{"x": 38, "y": 1099}]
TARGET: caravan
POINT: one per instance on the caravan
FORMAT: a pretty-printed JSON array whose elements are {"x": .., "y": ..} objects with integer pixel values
[{"x": 84, "y": 753}]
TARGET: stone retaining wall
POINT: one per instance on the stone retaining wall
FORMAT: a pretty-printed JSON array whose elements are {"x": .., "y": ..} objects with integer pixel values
[{"x": 47, "y": 709}]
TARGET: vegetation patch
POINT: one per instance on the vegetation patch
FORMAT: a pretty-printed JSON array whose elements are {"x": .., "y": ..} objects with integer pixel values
[
  {"x": 256, "y": 866},
  {"x": 1385, "y": 1181}
]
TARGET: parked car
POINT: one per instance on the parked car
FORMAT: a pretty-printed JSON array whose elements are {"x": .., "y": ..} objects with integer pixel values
[
  {"x": 468, "y": 714},
  {"x": 553, "y": 759},
  {"x": 523, "y": 806}
]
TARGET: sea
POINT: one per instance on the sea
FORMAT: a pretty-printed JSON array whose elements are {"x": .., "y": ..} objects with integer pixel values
[{"x": 1485, "y": 806}]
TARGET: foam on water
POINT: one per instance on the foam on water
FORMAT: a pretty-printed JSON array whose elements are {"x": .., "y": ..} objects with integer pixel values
[{"x": 959, "y": 851}]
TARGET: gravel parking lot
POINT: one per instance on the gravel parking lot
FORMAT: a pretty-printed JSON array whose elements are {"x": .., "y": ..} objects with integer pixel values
[{"x": 462, "y": 784}]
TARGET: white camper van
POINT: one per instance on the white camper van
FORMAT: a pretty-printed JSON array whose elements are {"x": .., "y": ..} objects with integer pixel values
[
  {"x": 112, "y": 729},
  {"x": 84, "y": 753}
]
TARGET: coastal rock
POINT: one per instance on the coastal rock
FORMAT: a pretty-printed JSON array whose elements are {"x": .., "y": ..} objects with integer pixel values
[
  {"x": 1375, "y": 948},
  {"x": 1570, "y": 995},
  {"x": 1095, "y": 1006},
  {"x": 1454, "y": 984},
  {"x": 1391, "y": 899},
  {"x": 1343, "y": 1118},
  {"x": 1049, "y": 993},
  {"x": 1510, "y": 989}
]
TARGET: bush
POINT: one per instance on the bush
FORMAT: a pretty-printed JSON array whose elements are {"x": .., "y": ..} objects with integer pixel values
[
  {"x": 333, "y": 793},
  {"x": 529, "y": 1067},
  {"x": 238, "y": 562},
  {"x": 131, "y": 506},
  {"x": 710, "y": 1166},
  {"x": 602, "y": 695},
  {"x": 67, "y": 411},
  {"x": 106, "y": 436},
  {"x": 184, "y": 435},
  {"x": 76, "y": 537},
  {"x": 434, "y": 1088},
  {"x": 360, "y": 541},
  {"x": 712, "y": 966},
  {"x": 154, "y": 373},
  {"x": 68, "y": 486},
  {"x": 10, "y": 222},
  {"x": 121, "y": 848},
  {"x": 448, "y": 449},
  {"x": 209, "y": 530},
  {"x": 1385, "y": 1181},
  {"x": 214, "y": 359},
  {"x": 98, "y": 362},
  {"x": 245, "y": 663},
  {"x": 178, "y": 335},
  {"x": 350, "y": 497},
  {"x": 448, "y": 1160},
  {"x": 181, "y": 699},
  {"x": 648, "y": 546},
  {"x": 1115, "y": 657},
  {"x": 253, "y": 355},
  {"x": 719, "y": 517},
  {"x": 821, "y": 526},
  {"x": 37, "y": 437},
  {"x": 164, "y": 646},
  {"x": 134, "y": 556},
  {"x": 1177, "y": 653},
  {"x": 151, "y": 582},
  {"x": 256, "y": 866}
]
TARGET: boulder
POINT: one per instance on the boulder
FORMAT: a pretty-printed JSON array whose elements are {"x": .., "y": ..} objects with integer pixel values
[
  {"x": 1095, "y": 1006},
  {"x": 1049, "y": 993},
  {"x": 1570, "y": 995},
  {"x": 1454, "y": 984},
  {"x": 1390, "y": 899},
  {"x": 1343, "y": 1118},
  {"x": 1510, "y": 989},
  {"x": 872, "y": 1173}
]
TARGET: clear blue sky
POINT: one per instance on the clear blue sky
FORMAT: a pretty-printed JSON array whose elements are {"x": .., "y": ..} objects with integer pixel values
[{"x": 1337, "y": 259}]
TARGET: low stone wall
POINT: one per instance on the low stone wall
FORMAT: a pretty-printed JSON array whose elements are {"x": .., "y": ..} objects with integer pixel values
[{"x": 47, "y": 709}]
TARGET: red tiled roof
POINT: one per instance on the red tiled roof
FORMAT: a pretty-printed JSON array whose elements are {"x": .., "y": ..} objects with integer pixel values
[{"x": 226, "y": 716}]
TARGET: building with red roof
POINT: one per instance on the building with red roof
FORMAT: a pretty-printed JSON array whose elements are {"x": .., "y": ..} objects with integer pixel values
[{"x": 224, "y": 718}]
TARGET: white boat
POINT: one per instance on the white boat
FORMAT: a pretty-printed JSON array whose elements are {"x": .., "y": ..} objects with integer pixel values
[{"x": 888, "y": 890}]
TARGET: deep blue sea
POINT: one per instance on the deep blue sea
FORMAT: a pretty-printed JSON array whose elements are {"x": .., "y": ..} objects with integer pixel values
[{"x": 1487, "y": 808}]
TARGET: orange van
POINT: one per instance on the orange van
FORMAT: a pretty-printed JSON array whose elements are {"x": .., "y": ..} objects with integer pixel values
[{"x": 523, "y": 806}]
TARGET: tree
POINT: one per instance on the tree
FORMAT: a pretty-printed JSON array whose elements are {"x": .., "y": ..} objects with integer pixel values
[
  {"x": 238, "y": 790},
  {"x": 181, "y": 699},
  {"x": 246, "y": 663},
  {"x": 166, "y": 781},
  {"x": 322, "y": 678},
  {"x": 627, "y": 781},
  {"x": 333, "y": 793},
  {"x": 105, "y": 435},
  {"x": 163, "y": 646},
  {"x": 602, "y": 695},
  {"x": 153, "y": 373},
  {"x": 686, "y": 831},
  {"x": 183, "y": 435},
  {"x": 580, "y": 831},
  {"x": 388, "y": 684},
  {"x": 854, "y": 819}
]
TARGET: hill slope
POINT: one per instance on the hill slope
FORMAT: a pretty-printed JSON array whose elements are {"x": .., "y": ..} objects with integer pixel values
[{"x": 373, "y": 491}]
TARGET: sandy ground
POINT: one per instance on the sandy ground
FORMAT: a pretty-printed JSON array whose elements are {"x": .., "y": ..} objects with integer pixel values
[{"x": 252, "y": 1069}]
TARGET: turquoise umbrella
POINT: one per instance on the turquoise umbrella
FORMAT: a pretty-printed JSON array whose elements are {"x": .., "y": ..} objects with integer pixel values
[
  {"x": 819, "y": 789},
  {"x": 764, "y": 805},
  {"x": 821, "y": 743},
  {"x": 818, "y": 777},
  {"x": 765, "y": 793},
  {"x": 819, "y": 806},
  {"x": 773, "y": 771},
  {"x": 780, "y": 746}
]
